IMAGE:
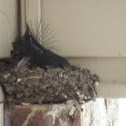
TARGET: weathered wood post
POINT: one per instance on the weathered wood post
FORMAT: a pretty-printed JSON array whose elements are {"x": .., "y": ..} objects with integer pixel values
[{"x": 45, "y": 115}]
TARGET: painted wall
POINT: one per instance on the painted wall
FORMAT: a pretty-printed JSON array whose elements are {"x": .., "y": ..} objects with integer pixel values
[
  {"x": 8, "y": 25},
  {"x": 88, "y": 27}
]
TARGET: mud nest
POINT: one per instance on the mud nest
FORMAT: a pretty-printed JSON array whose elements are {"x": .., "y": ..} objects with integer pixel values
[
  {"x": 54, "y": 85},
  {"x": 34, "y": 74}
]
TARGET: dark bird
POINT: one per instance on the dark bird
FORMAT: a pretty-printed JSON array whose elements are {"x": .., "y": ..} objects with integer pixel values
[{"x": 27, "y": 49}]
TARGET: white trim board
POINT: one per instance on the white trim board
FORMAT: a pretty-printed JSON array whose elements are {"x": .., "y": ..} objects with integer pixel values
[
  {"x": 110, "y": 90},
  {"x": 112, "y": 72},
  {"x": 30, "y": 13}
]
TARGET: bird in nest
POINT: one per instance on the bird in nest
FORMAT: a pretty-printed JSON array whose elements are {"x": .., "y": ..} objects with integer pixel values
[{"x": 27, "y": 49}]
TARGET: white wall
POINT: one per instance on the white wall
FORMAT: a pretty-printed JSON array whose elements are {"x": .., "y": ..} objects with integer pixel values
[
  {"x": 8, "y": 25},
  {"x": 88, "y": 27}
]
